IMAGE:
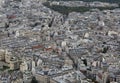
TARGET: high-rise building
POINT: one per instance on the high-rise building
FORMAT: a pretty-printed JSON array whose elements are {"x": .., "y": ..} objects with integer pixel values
[
  {"x": 2, "y": 54},
  {"x": 118, "y": 78},
  {"x": 8, "y": 56},
  {"x": 23, "y": 66}
]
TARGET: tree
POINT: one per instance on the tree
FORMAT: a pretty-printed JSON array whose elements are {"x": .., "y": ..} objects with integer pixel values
[
  {"x": 34, "y": 80},
  {"x": 105, "y": 49}
]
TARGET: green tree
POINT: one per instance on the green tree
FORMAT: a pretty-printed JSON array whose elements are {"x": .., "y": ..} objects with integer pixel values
[{"x": 34, "y": 80}]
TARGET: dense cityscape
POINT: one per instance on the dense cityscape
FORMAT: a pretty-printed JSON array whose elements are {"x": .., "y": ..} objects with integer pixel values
[{"x": 53, "y": 41}]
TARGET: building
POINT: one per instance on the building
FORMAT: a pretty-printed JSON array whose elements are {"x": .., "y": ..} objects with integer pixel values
[
  {"x": 8, "y": 56},
  {"x": 118, "y": 78},
  {"x": 14, "y": 63},
  {"x": 27, "y": 77},
  {"x": 2, "y": 54},
  {"x": 23, "y": 66}
]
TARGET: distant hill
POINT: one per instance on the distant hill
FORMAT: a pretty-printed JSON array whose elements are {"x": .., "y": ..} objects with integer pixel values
[
  {"x": 110, "y": 1},
  {"x": 66, "y": 10}
]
